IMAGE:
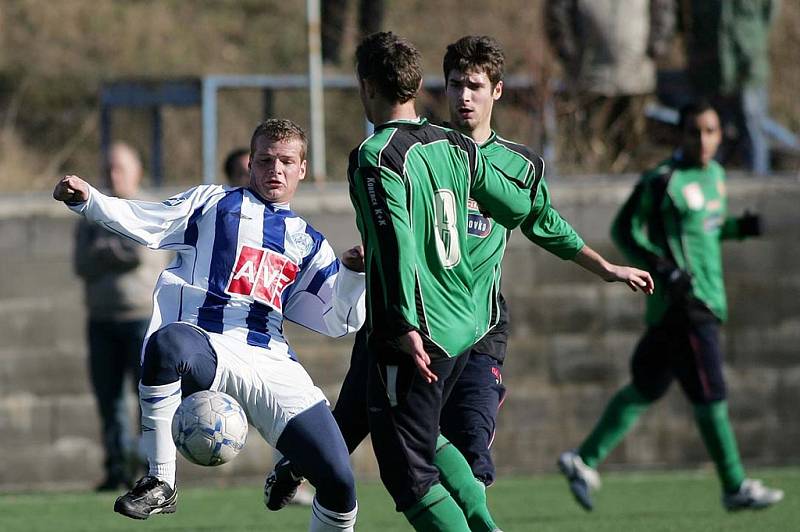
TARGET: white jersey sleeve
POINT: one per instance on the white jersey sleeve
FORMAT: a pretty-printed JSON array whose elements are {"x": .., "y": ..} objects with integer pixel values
[
  {"x": 329, "y": 298},
  {"x": 155, "y": 225}
]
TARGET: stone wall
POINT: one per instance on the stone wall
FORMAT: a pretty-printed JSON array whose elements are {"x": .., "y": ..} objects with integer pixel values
[{"x": 572, "y": 338}]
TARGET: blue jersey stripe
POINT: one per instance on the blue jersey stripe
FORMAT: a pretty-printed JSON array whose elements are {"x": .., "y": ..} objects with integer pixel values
[
  {"x": 223, "y": 255},
  {"x": 275, "y": 230},
  {"x": 190, "y": 239},
  {"x": 258, "y": 339},
  {"x": 257, "y": 320},
  {"x": 321, "y": 276},
  {"x": 317, "y": 239},
  {"x": 273, "y": 237}
]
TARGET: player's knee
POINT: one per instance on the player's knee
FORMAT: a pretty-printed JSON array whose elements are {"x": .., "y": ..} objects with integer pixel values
[
  {"x": 165, "y": 354},
  {"x": 337, "y": 489},
  {"x": 707, "y": 397},
  {"x": 647, "y": 394}
]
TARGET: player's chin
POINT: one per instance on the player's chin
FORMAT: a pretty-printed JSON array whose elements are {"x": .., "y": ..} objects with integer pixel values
[{"x": 272, "y": 193}]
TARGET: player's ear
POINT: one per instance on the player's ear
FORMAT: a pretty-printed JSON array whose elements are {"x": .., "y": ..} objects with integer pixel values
[
  {"x": 497, "y": 92},
  {"x": 303, "y": 166}
]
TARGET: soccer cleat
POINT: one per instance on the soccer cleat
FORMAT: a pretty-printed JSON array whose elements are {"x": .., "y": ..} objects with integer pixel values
[
  {"x": 752, "y": 495},
  {"x": 147, "y": 497},
  {"x": 281, "y": 485},
  {"x": 582, "y": 479}
]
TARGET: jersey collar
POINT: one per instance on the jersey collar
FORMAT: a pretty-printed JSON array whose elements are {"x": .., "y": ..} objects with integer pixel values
[
  {"x": 404, "y": 122},
  {"x": 491, "y": 140},
  {"x": 274, "y": 207}
]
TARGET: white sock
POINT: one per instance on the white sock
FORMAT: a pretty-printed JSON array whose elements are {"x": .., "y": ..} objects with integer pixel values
[
  {"x": 159, "y": 404},
  {"x": 324, "y": 520}
]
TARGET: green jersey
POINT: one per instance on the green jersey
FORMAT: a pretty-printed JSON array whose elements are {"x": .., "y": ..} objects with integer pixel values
[
  {"x": 676, "y": 216},
  {"x": 487, "y": 240},
  {"x": 410, "y": 183}
]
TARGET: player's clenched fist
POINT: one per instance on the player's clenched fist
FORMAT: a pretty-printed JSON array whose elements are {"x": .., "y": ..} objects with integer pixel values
[
  {"x": 353, "y": 258},
  {"x": 71, "y": 189}
]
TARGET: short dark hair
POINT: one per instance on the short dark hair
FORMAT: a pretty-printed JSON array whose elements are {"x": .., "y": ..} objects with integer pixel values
[
  {"x": 476, "y": 53},
  {"x": 692, "y": 109},
  {"x": 280, "y": 130},
  {"x": 230, "y": 161},
  {"x": 392, "y": 64}
]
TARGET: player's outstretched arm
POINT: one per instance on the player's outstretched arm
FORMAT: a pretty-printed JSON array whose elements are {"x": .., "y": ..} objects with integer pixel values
[
  {"x": 71, "y": 189},
  {"x": 635, "y": 278}
]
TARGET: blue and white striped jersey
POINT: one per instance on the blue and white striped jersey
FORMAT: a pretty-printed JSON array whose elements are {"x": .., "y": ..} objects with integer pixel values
[{"x": 242, "y": 265}]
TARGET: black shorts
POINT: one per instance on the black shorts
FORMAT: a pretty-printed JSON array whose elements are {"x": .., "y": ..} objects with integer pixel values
[
  {"x": 404, "y": 412},
  {"x": 469, "y": 417},
  {"x": 684, "y": 349},
  {"x": 495, "y": 343}
]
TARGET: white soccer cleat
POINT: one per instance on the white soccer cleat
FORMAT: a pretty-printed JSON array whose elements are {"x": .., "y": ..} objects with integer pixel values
[
  {"x": 580, "y": 477},
  {"x": 571, "y": 464},
  {"x": 752, "y": 495}
]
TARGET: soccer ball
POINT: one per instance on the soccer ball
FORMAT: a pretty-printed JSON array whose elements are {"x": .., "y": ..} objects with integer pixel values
[{"x": 209, "y": 428}]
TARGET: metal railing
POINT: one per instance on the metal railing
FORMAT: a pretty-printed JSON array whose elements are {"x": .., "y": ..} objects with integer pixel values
[{"x": 154, "y": 94}]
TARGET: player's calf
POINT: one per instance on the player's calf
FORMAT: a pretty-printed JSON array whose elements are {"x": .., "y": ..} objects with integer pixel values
[{"x": 314, "y": 445}]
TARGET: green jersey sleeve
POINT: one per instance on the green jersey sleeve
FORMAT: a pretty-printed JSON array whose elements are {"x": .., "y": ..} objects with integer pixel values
[
  {"x": 379, "y": 197},
  {"x": 545, "y": 227},
  {"x": 629, "y": 227},
  {"x": 507, "y": 200}
]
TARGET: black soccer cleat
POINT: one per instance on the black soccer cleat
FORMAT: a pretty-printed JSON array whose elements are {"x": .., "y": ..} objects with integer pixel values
[
  {"x": 147, "y": 497},
  {"x": 281, "y": 485}
]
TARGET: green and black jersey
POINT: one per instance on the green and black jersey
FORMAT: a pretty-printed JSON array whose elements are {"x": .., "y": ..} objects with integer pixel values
[
  {"x": 676, "y": 215},
  {"x": 544, "y": 226},
  {"x": 410, "y": 183}
]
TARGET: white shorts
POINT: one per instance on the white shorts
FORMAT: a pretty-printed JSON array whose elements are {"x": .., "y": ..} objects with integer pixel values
[{"x": 272, "y": 388}]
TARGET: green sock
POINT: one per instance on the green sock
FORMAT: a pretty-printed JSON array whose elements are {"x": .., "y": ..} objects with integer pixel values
[
  {"x": 437, "y": 512},
  {"x": 468, "y": 492},
  {"x": 715, "y": 428},
  {"x": 620, "y": 414}
]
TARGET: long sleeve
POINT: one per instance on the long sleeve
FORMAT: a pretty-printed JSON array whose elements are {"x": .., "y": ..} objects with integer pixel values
[
  {"x": 730, "y": 229},
  {"x": 379, "y": 196},
  {"x": 545, "y": 227},
  {"x": 155, "y": 225},
  {"x": 628, "y": 230},
  {"x": 328, "y": 298},
  {"x": 508, "y": 201}
]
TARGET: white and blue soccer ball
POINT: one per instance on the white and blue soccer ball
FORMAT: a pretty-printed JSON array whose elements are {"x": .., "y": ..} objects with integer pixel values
[{"x": 209, "y": 428}]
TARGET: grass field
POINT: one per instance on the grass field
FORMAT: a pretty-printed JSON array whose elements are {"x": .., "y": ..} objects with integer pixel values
[{"x": 648, "y": 502}]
